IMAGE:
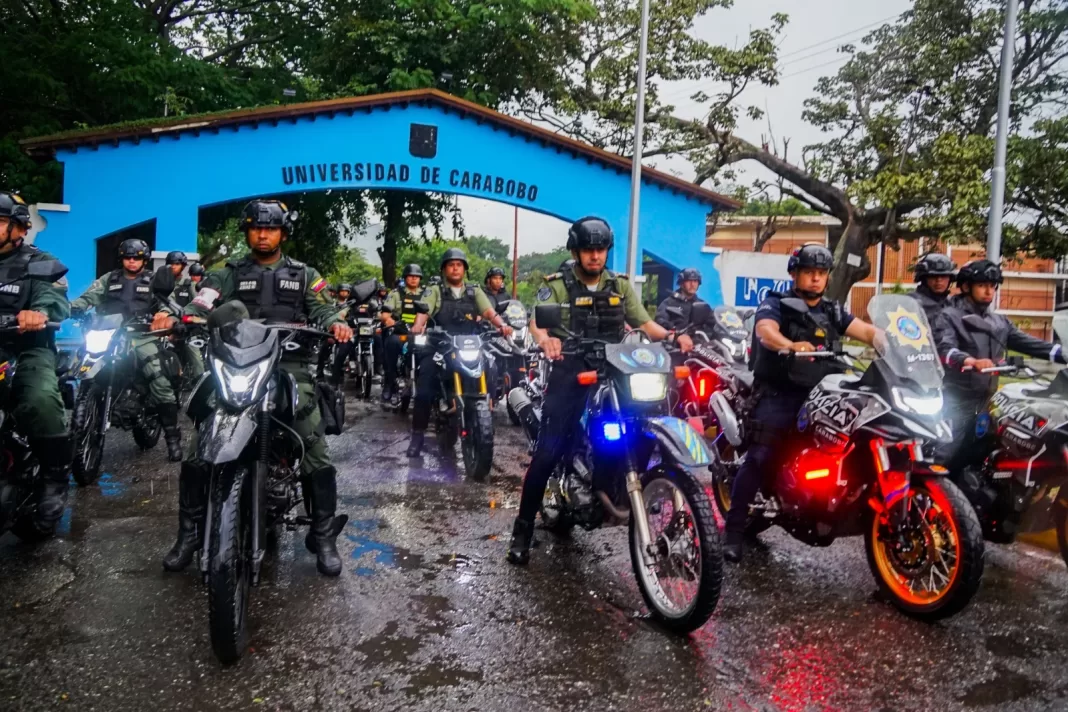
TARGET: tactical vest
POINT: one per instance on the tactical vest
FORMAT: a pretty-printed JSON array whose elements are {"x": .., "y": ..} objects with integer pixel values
[
  {"x": 14, "y": 281},
  {"x": 496, "y": 298},
  {"x": 183, "y": 293},
  {"x": 129, "y": 297},
  {"x": 457, "y": 314},
  {"x": 408, "y": 300},
  {"x": 799, "y": 373},
  {"x": 596, "y": 315},
  {"x": 273, "y": 295}
]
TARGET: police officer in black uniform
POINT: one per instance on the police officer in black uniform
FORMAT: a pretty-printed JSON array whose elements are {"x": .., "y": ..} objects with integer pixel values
[
  {"x": 601, "y": 303},
  {"x": 965, "y": 344},
  {"x": 934, "y": 275},
  {"x": 455, "y": 307},
  {"x": 682, "y": 299},
  {"x": 493, "y": 286},
  {"x": 399, "y": 307},
  {"x": 782, "y": 382}
]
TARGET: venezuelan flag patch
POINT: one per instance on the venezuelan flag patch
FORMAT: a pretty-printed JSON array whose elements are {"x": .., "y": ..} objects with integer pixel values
[{"x": 319, "y": 285}]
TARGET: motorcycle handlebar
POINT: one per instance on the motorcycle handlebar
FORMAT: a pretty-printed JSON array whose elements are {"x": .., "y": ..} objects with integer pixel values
[{"x": 811, "y": 354}]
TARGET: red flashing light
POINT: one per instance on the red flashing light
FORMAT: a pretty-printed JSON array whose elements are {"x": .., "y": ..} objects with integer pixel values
[{"x": 817, "y": 474}]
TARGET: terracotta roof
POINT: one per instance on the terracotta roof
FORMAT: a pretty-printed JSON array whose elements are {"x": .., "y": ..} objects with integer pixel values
[{"x": 47, "y": 145}]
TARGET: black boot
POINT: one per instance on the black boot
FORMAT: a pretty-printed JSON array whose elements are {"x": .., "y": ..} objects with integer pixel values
[
  {"x": 415, "y": 448},
  {"x": 734, "y": 547},
  {"x": 54, "y": 454},
  {"x": 325, "y": 527},
  {"x": 168, "y": 418},
  {"x": 522, "y": 539},
  {"x": 192, "y": 503}
]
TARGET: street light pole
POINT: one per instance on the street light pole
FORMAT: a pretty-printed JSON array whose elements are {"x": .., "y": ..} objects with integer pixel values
[
  {"x": 997, "y": 176},
  {"x": 636, "y": 162}
]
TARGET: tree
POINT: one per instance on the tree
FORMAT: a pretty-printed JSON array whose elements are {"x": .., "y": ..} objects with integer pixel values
[
  {"x": 480, "y": 252},
  {"x": 353, "y": 267}
]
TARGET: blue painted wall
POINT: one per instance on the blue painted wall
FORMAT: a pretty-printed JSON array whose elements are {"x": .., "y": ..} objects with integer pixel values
[{"x": 112, "y": 187}]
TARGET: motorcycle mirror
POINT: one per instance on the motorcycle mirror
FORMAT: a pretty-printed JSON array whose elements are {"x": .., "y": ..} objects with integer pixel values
[
  {"x": 47, "y": 270},
  {"x": 548, "y": 316},
  {"x": 795, "y": 304},
  {"x": 674, "y": 311},
  {"x": 700, "y": 313},
  {"x": 1017, "y": 361},
  {"x": 421, "y": 308},
  {"x": 227, "y": 313}
]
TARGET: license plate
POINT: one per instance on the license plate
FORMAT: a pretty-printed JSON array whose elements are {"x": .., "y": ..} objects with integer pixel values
[{"x": 366, "y": 331}]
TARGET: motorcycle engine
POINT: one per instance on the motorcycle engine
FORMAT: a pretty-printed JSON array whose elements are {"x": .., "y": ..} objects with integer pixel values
[{"x": 586, "y": 509}]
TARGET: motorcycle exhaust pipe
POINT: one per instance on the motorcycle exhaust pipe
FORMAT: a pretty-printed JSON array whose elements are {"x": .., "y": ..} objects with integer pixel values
[
  {"x": 520, "y": 402},
  {"x": 728, "y": 421}
]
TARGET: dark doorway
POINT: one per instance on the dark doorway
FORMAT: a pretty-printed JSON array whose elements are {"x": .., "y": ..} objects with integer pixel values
[{"x": 107, "y": 247}]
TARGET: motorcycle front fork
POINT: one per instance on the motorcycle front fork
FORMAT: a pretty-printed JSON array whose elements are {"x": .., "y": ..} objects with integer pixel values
[{"x": 105, "y": 416}]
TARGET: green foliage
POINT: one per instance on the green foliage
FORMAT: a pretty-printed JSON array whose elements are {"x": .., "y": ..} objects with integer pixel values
[
  {"x": 539, "y": 264},
  {"x": 224, "y": 242},
  {"x": 784, "y": 207},
  {"x": 353, "y": 267}
]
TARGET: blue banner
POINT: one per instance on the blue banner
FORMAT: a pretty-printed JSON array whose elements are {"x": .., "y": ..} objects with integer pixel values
[{"x": 751, "y": 291}]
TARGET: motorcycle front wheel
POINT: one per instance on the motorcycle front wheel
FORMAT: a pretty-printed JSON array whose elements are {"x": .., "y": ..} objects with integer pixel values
[
  {"x": 366, "y": 377},
  {"x": 229, "y": 566},
  {"x": 1061, "y": 518},
  {"x": 88, "y": 440},
  {"x": 931, "y": 564},
  {"x": 681, "y": 584},
  {"x": 476, "y": 440}
]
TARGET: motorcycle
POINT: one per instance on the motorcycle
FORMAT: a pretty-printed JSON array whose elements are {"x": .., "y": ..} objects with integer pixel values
[
  {"x": 860, "y": 465},
  {"x": 525, "y": 400},
  {"x": 1021, "y": 482},
  {"x": 109, "y": 393},
  {"x": 510, "y": 353},
  {"x": 360, "y": 365},
  {"x": 404, "y": 388},
  {"x": 632, "y": 464},
  {"x": 244, "y": 407}
]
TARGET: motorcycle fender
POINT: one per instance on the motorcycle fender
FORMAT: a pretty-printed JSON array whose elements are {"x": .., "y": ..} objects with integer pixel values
[
  {"x": 223, "y": 436},
  {"x": 678, "y": 441},
  {"x": 198, "y": 407},
  {"x": 90, "y": 367}
]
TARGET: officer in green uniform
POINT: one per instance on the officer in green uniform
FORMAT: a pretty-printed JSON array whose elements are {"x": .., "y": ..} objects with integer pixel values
[
  {"x": 341, "y": 304},
  {"x": 130, "y": 290},
  {"x": 184, "y": 291},
  {"x": 455, "y": 307},
  {"x": 600, "y": 304},
  {"x": 399, "y": 305},
  {"x": 277, "y": 289},
  {"x": 36, "y": 403}
]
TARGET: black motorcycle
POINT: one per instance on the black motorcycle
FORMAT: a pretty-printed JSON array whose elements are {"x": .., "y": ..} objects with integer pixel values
[
  {"x": 632, "y": 463},
  {"x": 510, "y": 353},
  {"x": 245, "y": 406},
  {"x": 360, "y": 364},
  {"x": 110, "y": 391}
]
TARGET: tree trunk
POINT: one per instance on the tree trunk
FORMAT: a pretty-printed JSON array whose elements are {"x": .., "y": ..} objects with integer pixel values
[
  {"x": 394, "y": 232},
  {"x": 851, "y": 262}
]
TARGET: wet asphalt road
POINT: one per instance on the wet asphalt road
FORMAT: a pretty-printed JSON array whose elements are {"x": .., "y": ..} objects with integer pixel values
[{"x": 428, "y": 616}]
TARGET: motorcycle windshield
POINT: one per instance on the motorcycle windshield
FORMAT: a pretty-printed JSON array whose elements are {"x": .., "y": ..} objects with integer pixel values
[
  {"x": 1060, "y": 327},
  {"x": 516, "y": 314},
  {"x": 730, "y": 321},
  {"x": 906, "y": 343},
  {"x": 108, "y": 322}
]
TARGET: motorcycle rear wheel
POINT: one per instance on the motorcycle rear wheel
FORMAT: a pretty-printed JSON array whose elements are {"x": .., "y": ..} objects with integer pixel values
[
  {"x": 230, "y": 565},
  {"x": 1061, "y": 517},
  {"x": 722, "y": 483},
  {"x": 88, "y": 442},
  {"x": 687, "y": 550},
  {"x": 147, "y": 435},
  {"x": 476, "y": 441},
  {"x": 942, "y": 530}
]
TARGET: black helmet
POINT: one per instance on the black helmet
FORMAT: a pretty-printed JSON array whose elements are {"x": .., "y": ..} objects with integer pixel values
[
  {"x": 133, "y": 248},
  {"x": 412, "y": 269},
  {"x": 979, "y": 271},
  {"x": 589, "y": 232},
  {"x": 177, "y": 257},
  {"x": 453, "y": 253},
  {"x": 14, "y": 208},
  {"x": 266, "y": 213},
  {"x": 690, "y": 273},
  {"x": 816, "y": 256},
  {"x": 196, "y": 270},
  {"x": 344, "y": 287},
  {"x": 493, "y": 272},
  {"x": 566, "y": 265},
  {"x": 934, "y": 264}
]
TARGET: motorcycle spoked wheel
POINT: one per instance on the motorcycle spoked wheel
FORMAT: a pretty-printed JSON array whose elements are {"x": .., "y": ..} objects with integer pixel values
[
  {"x": 682, "y": 585},
  {"x": 931, "y": 566},
  {"x": 147, "y": 434},
  {"x": 476, "y": 440},
  {"x": 230, "y": 564},
  {"x": 366, "y": 377},
  {"x": 1061, "y": 518},
  {"x": 506, "y": 388},
  {"x": 447, "y": 430},
  {"x": 15, "y": 500},
  {"x": 88, "y": 442},
  {"x": 722, "y": 482}
]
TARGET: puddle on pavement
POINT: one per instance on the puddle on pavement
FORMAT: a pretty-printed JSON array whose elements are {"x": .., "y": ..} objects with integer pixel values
[
  {"x": 395, "y": 557},
  {"x": 389, "y": 648},
  {"x": 110, "y": 486},
  {"x": 457, "y": 561},
  {"x": 1010, "y": 646},
  {"x": 1007, "y": 686},
  {"x": 435, "y": 676}
]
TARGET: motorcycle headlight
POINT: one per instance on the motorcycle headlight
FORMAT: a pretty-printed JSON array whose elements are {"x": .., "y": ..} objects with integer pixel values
[
  {"x": 240, "y": 387},
  {"x": 648, "y": 386},
  {"x": 96, "y": 342},
  {"x": 469, "y": 355},
  {"x": 920, "y": 405}
]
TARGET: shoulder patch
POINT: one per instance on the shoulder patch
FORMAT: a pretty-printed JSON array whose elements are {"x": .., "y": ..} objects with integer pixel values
[
  {"x": 620, "y": 275},
  {"x": 544, "y": 293},
  {"x": 319, "y": 285},
  {"x": 553, "y": 276}
]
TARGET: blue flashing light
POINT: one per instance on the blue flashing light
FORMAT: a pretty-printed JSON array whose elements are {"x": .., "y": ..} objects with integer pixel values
[{"x": 612, "y": 431}]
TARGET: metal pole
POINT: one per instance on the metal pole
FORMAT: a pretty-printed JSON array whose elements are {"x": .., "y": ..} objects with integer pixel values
[
  {"x": 636, "y": 162},
  {"x": 880, "y": 257},
  {"x": 515, "y": 255},
  {"x": 997, "y": 176}
]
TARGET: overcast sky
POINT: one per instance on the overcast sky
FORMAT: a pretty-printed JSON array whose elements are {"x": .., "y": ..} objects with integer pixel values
[{"x": 807, "y": 52}]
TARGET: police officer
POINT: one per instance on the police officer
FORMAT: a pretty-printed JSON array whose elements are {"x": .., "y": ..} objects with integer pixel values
[
  {"x": 275, "y": 288},
  {"x": 130, "y": 290},
  {"x": 683, "y": 299},
  {"x": 37, "y": 405},
  {"x": 183, "y": 293},
  {"x": 493, "y": 286},
  {"x": 964, "y": 344},
  {"x": 454, "y": 306},
  {"x": 399, "y": 306},
  {"x": 782, "y": 383},
  {"x": 934, "y": 274},
  {"x": 351, "y": 307},
  {"x": 196, "y": 274},
  {"x": 591, "y": 291},
  {"x": 341, "y": 299},
  {"x": 381, "y": 293}
]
